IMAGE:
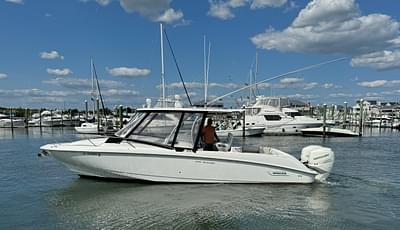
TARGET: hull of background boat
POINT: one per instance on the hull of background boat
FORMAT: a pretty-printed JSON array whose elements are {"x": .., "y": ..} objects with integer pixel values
[
  {"x": 288, "y": 129},
  {"x": 87, "y": 130},
  {"x": 239, "y": 132},
  {"x": 133, "y": 161},
  {"x": 54, "y": 123},
  {"x": 333, "y": 132},
  {"x": 6, "y": 123}
]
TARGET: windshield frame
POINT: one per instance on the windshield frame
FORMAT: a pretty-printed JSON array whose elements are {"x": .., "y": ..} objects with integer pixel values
[{"x": 176, "y": 129}]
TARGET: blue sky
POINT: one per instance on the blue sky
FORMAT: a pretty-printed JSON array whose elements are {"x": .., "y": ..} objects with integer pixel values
[{"x": 46, "y": 47}]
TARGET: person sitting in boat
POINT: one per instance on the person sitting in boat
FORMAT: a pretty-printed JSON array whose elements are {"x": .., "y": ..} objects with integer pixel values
[{"x": 209, "y": 136}]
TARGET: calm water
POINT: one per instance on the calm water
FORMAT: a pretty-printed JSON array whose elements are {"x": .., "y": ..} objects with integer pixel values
[{"x": 362, "y": 193}]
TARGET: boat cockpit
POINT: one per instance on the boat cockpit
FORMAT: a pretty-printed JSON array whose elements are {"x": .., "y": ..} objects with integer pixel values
[{"x": 178, "y": 129}]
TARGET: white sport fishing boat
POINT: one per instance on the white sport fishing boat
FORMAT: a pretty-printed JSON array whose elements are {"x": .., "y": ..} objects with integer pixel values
[
  {"x": 157, "y": 153},
  {"x": 276, "y": 120}
]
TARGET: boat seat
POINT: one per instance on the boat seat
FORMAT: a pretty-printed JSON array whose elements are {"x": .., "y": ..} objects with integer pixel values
[{"x": 225, "y": 146}]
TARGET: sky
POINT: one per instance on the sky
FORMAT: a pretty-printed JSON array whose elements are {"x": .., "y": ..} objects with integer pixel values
[{"x": 46, "y": 47}]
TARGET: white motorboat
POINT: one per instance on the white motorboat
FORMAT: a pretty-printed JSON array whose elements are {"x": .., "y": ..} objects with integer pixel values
[
  {"x": 88, "y": 128},
  {"x": 52, "y": 119},
  {"x": 8, "y": 122},
  {"x": 136, "y": 152},
  {"x": 91, "y": 128},
  {"x": 275, "y": 121},
  {"x": 329, "y": 131}
]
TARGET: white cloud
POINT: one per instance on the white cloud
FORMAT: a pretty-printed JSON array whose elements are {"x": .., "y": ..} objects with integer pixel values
[
  {"x": 291, "y": 80},
  {"x": 128, "y": 72},
  {"x": 51, "y": 55},
  {"x": 223, "y": 9},
  {"x": 59, "y": 72},
  {"x": 340, "y": 95},
  {"x": 155, "y": 10},
  {"x": 100, "y": 2},
  {"x": 328, "y": 85},
  {"x": 120, "y": 92},
  {"x": 3, "y": 76},
  {"x": 379, "y": 83},
  {"x": 310, "y": 85},
  {"x": 333, "y": 26},
  {"x": 33, "y": 93},
  {"x": 295, "y": 82},
  {"x": 264, "y": 85},
  {"x": 20, "y": 2},
  {"x": 381, "y": 60},
  {"x": 200, "y": 85},
  {"x": 255, "y": 4},
  {"x": 170, "y": 16},
  {"x": 372, "y": 84},
  {"x": 84, "y": 84},
  {"x": 303, "y": 96},
  {"x": 220, "y": 10}
]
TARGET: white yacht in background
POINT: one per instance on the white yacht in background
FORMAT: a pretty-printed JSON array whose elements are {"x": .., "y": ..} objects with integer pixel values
[
  {"x": 175, "y": 155},
  {"x": 52, "y": 119},
  {"x": 277, "y": 120},
  {"x": 236, "y": 129},
  {"x": 5, "y": 122}
]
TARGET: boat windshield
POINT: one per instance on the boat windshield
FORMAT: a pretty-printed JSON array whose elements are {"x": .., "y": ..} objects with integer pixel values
[{"x": 168, "y": 129}]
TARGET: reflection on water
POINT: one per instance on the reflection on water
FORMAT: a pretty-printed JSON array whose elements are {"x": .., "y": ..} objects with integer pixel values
[
  {"x": 362, "y": 193},
  {"x": 102, "y": 204}
]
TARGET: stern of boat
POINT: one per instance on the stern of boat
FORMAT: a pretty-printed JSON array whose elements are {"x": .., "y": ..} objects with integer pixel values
[{"x": 318, "y": 158}]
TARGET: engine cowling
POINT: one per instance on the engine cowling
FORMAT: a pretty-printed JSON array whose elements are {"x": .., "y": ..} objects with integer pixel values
[{"x": 319, "y": 158}]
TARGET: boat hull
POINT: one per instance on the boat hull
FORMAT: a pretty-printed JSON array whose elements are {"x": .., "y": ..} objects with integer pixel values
[
  {"x": 239, "y": 132},
  {"x": 184, "y": 167},
  {"x": 332, "y": 132},
  {"x": 289, "y": 128},
  {"x": 16, "y": 123}
]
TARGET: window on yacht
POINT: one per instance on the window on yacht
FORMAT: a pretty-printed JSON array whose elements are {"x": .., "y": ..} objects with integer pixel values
[{"x": 272, "y": 117}]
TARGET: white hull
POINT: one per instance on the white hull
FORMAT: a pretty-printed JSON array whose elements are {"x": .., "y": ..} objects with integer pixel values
[
  {"x": 54, "y": 122},
  {"x": 291, "y": 128},
  {"x": 249, "y": 131},
  {"x": 16, "y": 123},
  {"x": 124, "y": 161},
  {"x": 329, "y": 131},
  {"x": 87, "y": 128}
]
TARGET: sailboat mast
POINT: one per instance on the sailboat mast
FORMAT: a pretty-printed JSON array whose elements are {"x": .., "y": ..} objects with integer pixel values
[
  {"x": 162, "y": 65},
  {"x": 208, "y": 64},
  {"x": 256, "y": 71},
  {"x": 93, "y": 94},
  {"x": 205, "y": 71}
]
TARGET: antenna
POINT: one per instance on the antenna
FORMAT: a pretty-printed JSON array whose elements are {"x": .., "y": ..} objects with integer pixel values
[
  {"x": 162, "y": 66},
  {"x": 177, "y": 67}
]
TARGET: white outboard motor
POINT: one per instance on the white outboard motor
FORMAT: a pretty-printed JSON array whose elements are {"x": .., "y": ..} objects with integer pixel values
[{"x": 318, "y": 158}]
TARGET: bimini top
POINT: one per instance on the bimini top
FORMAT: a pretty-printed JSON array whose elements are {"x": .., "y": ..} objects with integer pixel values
[{"x": 191, "y": 110}]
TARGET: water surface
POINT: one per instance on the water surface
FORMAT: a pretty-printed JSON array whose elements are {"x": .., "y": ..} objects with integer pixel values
[{"x": 40, "y": 193}]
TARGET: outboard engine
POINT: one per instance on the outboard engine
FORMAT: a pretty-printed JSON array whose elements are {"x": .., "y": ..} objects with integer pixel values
[{"x": 318, "y": 158}]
